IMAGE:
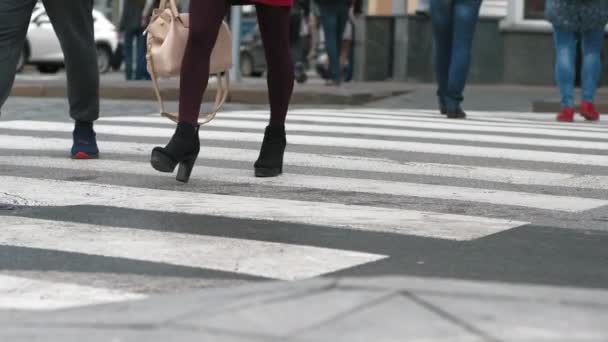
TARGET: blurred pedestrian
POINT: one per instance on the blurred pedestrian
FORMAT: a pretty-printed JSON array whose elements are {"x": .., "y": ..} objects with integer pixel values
[
  {"x": 347, "y": 55},
  {"x": 334, "y": 16},
  {"x": 205, "y": 19},
  {"x": 300, "y": 12},
  {"x": 572, "y": 19},
  {"x": 134, "y": 44},
  {"x": 454, "y": 23},
  {"x": 73, "y": 24},
  {"x": 423, "y": 8}
]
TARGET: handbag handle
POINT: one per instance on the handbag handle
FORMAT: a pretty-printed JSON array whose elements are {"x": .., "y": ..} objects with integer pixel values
[{"x": 171, "y": 4}]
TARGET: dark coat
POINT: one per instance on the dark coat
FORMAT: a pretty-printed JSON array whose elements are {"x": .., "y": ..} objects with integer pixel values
[
  {"x": 130, "y": 19},
  {"x": 577, "y": 15}
]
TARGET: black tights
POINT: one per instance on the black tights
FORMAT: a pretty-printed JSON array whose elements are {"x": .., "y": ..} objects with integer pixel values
[{"x": 205, "y": 20}]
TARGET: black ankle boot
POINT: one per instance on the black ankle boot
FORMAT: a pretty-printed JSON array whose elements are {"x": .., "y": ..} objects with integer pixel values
[
  {"x": 270, "y": 161},
  {"x": 183, "y": 149}
]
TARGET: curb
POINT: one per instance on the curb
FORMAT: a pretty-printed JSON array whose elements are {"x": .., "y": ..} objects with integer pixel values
[{"x": 238, "y": 94}]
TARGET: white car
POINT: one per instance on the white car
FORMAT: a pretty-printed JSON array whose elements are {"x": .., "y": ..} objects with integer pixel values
[{"x": 43, "y": 50}]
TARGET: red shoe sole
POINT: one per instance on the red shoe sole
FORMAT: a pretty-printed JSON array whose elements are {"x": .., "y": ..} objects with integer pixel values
[
  {"x": 82, "y": 156},
  {"x": 565, "y": 119},
  {"x": 590, "y": 118}
]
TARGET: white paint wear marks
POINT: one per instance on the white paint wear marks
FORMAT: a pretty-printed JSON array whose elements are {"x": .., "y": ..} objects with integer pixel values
[
  {"x": 327, "y": 161},
  {"x": 367, "y": 218},
  {"x": 256, "y": 258},
  {"x": 371, "y": 186},
  {"x": 311, "y": 140},
  {"x": 17, "y": 293}
]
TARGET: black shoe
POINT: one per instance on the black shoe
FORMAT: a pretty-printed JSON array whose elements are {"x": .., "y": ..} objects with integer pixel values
[
  {"x": 458, "y": 113},
  {"x": 270, "y": 161},
  {"x": 183, "y": 149},
  {"x": 85, "y": 141},
  {"x": 443, "y": 108}
]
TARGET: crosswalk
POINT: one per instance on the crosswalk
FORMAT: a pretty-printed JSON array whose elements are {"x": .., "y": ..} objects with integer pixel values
[{"x": 349, "y": 173}]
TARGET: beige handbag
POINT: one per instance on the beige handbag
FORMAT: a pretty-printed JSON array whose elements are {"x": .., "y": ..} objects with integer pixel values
[{"x": 167, "y": 38}]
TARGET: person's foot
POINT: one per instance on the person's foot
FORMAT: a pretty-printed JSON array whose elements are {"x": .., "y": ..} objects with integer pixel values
[
  {"x": 182, "y": 149},
  {"x": 332, "y": 83},
  {"x": 456, "y": 113},
  {"x": 589, "y": 112},
  {"x": 566, "y": 114},
  {"x": 85, "y": 141},
  {"x": 270, "y": 161}
]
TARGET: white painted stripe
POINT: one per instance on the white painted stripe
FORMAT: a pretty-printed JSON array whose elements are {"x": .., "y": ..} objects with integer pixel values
[
  {"x": 17, "y": 293},
  {"x": 327, "y": 161},
  {"x": 376, "y": 120},
  {"x": 256, "y": 258},
  {"x": 371, "y": 144},
  {"x": 39, "y": 192},
  {"x": 370, "y": 186},
  {"x": 403, "y": 133},
  {"x": 536, "y": 119},
  {"x": 417, "y": 123}
]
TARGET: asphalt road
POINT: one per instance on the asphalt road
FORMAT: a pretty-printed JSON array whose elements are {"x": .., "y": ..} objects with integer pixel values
[{"x": 504, "y": 196}]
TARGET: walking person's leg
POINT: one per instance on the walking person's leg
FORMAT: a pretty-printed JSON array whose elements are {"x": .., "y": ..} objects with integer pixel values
[
  {"x": 342, "y": 20},
  {"x": 329, "y": 21},
  {"x": 441, "y": 19},
  {"x": 465, "y": 16},
  {"x": 73, "y": 23},
  {"x": 565, "y": 62},
  {"x": 592, "y": 67},
  {"x": 14, "y": 21},
  {"x": 141, "y": 71},
  {"x": 274, "y": 26},
  {"x": 205, "y": 21},
  {"x": 128, "y": 54}
]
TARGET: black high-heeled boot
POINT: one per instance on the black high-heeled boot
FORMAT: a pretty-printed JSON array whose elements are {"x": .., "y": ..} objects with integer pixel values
[
  {"x": 183, "y": 149},
  {"x": 270, "y": 161}
]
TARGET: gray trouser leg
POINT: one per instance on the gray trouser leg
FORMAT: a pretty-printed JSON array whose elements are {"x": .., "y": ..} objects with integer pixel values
[
  {"x": 73, "y": 23},
  {"x": 14, "y": 20}
]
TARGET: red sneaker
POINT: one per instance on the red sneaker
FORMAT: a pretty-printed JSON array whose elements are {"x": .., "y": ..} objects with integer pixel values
[
  {"x": 588, "y": 111},
  {"x": 566, "y": 115}
]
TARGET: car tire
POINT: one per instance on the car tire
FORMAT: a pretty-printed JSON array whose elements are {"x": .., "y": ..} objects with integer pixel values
[
  {"x": 48, "y": 68},
  {"x": 104, "y": 59},
  {"x": 246, "y": 66}
]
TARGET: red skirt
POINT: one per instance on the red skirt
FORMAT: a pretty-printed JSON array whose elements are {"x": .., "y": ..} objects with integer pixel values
[{"x": 275, "y": 2}]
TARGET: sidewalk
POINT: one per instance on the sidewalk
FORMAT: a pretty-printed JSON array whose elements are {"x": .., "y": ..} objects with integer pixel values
[
  {"x": 250, "y": 91},
  {"x": 351, "y": 309},
  {"x": 253, "y": 91}
]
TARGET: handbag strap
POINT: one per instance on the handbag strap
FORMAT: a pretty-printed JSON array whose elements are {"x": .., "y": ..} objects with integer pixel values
[
  {"x": 171, "y": 4},
  {"x": 223, "y": 79},
  {"x": 223, "y": 86}
]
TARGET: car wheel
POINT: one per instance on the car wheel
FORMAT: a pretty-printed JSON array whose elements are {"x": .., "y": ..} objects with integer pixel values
[
  {"x": 104, "y": 59},
  {"x": 21, "y": 60},
  {"x": 246, "y": 65},
  {"x": 48, "y": 68}
]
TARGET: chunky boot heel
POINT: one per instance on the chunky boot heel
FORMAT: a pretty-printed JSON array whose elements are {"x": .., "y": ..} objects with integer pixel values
[
  {"x": 270, "y": 161},
  {"x": 185, "y": 169},
  {"x": 183, "y": 149}
]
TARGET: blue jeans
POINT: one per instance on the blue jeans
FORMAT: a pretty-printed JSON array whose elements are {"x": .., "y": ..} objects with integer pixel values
[
  {"x": 454, "y": 23},
  {"x": 565, "y": 63},
  {"x": 334, "y": 18},
  {"x": 134, "y": 38}
]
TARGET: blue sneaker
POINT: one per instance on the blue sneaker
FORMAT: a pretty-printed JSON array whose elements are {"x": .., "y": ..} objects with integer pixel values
[{"x": 85, "y": 143}]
